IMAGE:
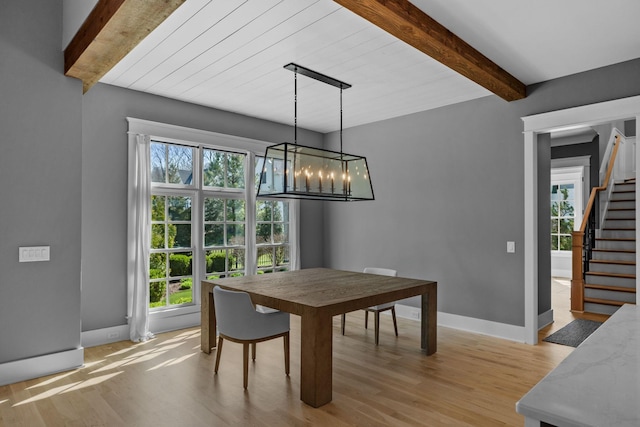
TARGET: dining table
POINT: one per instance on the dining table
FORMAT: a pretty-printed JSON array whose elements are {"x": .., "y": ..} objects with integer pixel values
[{"x": 317, "y": 295}]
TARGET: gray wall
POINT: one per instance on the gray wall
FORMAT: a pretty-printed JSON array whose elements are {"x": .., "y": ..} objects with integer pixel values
[
  {"x": 40, "y": 161},
  {"x": 448, "y": 185},
  {"x": 544, "y": 223},
  {"x": 104, "y": 187}
]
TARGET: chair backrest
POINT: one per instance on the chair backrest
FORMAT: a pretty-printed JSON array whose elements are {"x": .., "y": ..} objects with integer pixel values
[
  {"x": 235, "y": 313},
  {"x": 381, "y": 271}
]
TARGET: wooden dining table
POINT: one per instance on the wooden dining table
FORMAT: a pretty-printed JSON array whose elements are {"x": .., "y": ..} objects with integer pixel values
[{"x": 316, "y": 295}]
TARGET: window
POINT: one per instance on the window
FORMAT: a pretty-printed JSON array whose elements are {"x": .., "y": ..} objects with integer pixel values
[
  {"x": 172, "y": 249},
  {"x": 272, "y": 235},
  {"x": 563, "y": 215},
  {"x": 170, "y": 265},
  {"x": 205, "y": 221}
]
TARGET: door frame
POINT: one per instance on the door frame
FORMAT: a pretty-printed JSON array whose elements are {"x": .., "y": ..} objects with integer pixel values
[{"x": 587, "y": 115}]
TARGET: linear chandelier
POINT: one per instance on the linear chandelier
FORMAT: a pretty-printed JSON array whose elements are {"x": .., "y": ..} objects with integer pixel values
[{"x": 300, "y": 172}]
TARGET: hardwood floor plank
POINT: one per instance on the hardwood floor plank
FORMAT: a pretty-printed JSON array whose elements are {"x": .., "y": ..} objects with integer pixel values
[{"x": 473, "y": 380}]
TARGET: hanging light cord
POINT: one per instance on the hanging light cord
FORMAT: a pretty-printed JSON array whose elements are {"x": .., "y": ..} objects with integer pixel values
[
  {"x": 295, "y": 107},
  {"x": 341, "y": 119}
]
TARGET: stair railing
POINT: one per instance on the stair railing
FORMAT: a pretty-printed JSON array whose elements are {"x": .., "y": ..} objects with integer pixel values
[{"x": 583, "y": 240}]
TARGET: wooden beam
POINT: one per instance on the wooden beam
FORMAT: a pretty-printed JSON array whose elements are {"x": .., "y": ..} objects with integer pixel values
[
  {"x": 405, "y": 21},
  {"x": 110, "y": 32}
]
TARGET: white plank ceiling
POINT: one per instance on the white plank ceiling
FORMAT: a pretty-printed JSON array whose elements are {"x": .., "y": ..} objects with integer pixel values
[{"x": 229, "y": 54}]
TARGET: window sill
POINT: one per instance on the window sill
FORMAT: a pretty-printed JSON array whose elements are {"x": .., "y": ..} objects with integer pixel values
[{"x": 174, "y": 311}]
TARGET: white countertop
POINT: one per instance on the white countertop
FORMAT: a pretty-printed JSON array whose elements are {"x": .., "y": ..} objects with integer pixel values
[{"x": 598, "y": 384}]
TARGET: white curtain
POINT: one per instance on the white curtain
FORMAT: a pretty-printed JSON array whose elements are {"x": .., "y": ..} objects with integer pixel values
[
  {"x": 140, "y": 223},
  {"x": 294, "y": 234}
]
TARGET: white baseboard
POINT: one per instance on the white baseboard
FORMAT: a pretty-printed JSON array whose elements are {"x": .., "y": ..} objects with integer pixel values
[
  {"x": 104, "y": 336},
  {"x": 166, "y": 324},
  {"x": 545, "y": 319},
  {"x": 34, "y": 367},
  {"x": 156, "y": 325},
  {"x": 469, "y": 324}
]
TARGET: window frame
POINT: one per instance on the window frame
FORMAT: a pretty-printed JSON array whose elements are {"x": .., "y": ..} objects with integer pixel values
[
  {"x": 199, "y": 140},
  {"x": 568, "y": 175}
]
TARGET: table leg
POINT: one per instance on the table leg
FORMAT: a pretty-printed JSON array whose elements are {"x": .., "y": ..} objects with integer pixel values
[
  {"x": 316, "y": 354},
  {"x": 429, "y": 316},
  {"x": 208, "y": 324}
]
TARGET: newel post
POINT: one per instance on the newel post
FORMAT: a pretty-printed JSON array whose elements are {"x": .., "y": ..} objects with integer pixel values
[{"x": 577, "y": 276}]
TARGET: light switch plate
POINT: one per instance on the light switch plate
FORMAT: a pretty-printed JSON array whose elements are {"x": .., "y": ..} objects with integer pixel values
[
  {"x": 33, "y": 253},
  {"x": 511, "y": 247}
]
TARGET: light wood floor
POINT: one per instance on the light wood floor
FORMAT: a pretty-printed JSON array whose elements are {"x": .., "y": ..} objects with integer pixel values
[{"x": 472, "y": 380}]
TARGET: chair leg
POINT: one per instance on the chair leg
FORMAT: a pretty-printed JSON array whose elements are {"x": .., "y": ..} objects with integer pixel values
[
  {"x": 344, "y": 318},
  {"x": 218, "y": 353},
  {"x": 286, "y": 354},
  {"x": 253, "y": 351},
  {"x": 377, "y": 325},
  {"x": 395, "y": 324},
  {"x": 366, "y": 319},
  {"x": 245, "y": 364}
]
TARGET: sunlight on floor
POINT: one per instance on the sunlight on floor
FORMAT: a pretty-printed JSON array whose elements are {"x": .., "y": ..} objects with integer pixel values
[{"x": 114, "y": 364}]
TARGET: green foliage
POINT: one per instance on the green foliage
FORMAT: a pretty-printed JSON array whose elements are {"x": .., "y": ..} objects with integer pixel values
[
  {"x": 156, "y": 292},
  {"x": 186, "y": 283},
  {"x": 216, "y": 261},
  {"x": 181, "y": 297},
  {"x": 180, "y": 265}
]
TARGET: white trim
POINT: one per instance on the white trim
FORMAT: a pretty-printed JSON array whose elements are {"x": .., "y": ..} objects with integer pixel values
[
  {"x": 568, "y": 162},
  {"x": 407, "y": 312},
  {"x": 545, "y": 319},
  {"x": 587, "y": 115},
  {"x": 469, "y": 324},
  {"x": 102, "y": 336},
  {"x": 157, "y": 324},
  {"x": 182, "y": 134},
  {"x": 480, "y": 326},
  {"x": 530, "y": 239},
  {"x": 39, "y": 366}
]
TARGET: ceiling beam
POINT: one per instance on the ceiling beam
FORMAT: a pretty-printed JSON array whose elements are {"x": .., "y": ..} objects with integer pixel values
[
  {"x": 110, "y": 32},
  {"x": 406, "y": 22}
]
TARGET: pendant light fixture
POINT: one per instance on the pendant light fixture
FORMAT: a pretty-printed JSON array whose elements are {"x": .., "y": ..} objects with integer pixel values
[{"x": 297, "y": 171}]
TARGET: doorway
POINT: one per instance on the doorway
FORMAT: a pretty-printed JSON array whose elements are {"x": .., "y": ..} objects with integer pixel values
[{"x": 541, "y": 124}]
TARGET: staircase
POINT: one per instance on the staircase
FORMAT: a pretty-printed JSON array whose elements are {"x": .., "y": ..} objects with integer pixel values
[{"x": 611, "y": 279}]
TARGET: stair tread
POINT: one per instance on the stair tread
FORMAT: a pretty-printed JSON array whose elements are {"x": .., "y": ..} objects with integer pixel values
[
  {"x": 622, "y": 239},
  {"x": 605, "y": 261},
  {"x": 619, "y": 275},
  {"x": 606, "y": 301},
  {"x": 610, "y": 288},
  {"x": 626, "y": 251}
]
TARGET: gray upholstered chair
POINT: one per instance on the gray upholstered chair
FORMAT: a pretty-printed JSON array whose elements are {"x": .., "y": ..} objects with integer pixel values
[
  {"x": 377, "y": 309},
  {"x": 239, "y": 321}
]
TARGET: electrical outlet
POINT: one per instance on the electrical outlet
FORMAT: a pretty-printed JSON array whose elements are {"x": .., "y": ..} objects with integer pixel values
[
  {"x": 113, "y": 335},
  {"x": 415, "y": 314}
]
